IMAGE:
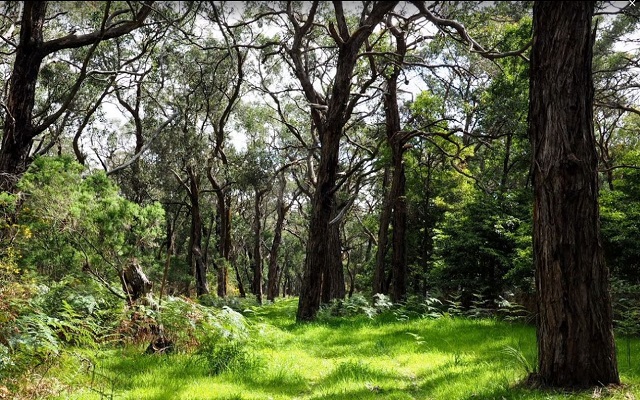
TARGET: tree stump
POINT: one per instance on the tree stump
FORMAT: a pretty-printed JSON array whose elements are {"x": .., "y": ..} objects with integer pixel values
[{"x": 134, "y": 282}]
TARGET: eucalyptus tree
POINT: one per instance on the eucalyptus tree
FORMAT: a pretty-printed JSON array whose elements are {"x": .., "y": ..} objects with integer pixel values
[
  {"x": 35, "y": 43},
  {"x": 575, "y": 334},
  {"x": 275, "y": 269},
  {"x": 228, "y": 79},
  {"x": 256, "y": 175},
  {"x": 296, "y": 144},
  {"x": 189, "y": 86},
  {"x": 330, "y": 111},
  {"x": 394, "y": 207}
]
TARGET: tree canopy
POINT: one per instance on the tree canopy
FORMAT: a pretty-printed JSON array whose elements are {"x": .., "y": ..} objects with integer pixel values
[{"x": 326, "y": 150}]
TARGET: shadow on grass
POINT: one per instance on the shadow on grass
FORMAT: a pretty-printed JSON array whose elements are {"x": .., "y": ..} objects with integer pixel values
[
  {"x": 362, "y": 358},
  {"x": 485, "y": 340}
]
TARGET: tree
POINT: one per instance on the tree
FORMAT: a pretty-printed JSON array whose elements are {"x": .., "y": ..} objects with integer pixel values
[
  {"x": 329, "y": 116},
  {"x": 575, "y": 334},
  {"x": 19, "y": 128},
  {"x": 275, "y": 271}
]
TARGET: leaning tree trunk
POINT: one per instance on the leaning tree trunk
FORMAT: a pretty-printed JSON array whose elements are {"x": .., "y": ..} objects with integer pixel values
[{"x": 575, "y": 337}]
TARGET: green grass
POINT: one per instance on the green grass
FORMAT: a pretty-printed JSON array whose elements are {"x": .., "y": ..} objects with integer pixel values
[{"x": 345, "y": 358}]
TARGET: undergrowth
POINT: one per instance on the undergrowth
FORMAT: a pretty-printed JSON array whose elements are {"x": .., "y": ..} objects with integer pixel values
[
  {"x": 356, "y": 350},
  {"x": 63, "y": 342}
]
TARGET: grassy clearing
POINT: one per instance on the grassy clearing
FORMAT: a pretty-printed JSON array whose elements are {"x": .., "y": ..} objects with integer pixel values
[{"x": 345, "y": 358}]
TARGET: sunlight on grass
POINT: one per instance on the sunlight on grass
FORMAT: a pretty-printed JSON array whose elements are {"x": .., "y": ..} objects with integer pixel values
[{"x": 353, "y": 358}]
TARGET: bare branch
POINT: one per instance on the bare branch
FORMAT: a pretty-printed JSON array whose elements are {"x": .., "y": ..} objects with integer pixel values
[
  {"x": 146, "y": 145},
  {"x": 474, "y": 46},
  {"x": 619, "y": 107}
]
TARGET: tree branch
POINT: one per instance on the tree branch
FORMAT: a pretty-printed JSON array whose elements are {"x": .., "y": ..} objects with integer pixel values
[
  {"x": 146, "y": 145},
  {"x": 113, "y": 31}
]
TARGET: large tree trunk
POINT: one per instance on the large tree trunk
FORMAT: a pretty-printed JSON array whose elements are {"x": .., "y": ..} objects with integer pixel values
[
  {"x": 18, "y": 128},
  {"x": 320, "y": 250},
  {"x": 399, "y": 241},
  {"x": 319, "y": 246},
  {"x": 397, "y": 141},
  {"x": 333, "y": 283},
  {"x": 575, "y": 337},
  {"x": 223, "y": 205}
]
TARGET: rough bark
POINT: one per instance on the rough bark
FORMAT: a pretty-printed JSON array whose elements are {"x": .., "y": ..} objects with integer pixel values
[
  {"x": 320, "y": 254},
  {"x": 575, "y": 336},
  {"x": 19, "y": 130},
  {"x": 223, "y": 210},
  {"x": 397, "y": 140},
  {"x": 399, "y": 225},
  {"x": 135, "y": 283},
  {"x": 333, "y": 283}
]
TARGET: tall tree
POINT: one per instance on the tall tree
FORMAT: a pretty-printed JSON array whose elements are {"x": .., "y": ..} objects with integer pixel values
[
  {"x": 575, "y": 334},
  {"x": 397, "y": 140},
  {"x": 19, "y": 129},
  {"x": 275, "y": 270},
  {"x": 196, "y": 255},
  {"x": 330, "y": 115}
]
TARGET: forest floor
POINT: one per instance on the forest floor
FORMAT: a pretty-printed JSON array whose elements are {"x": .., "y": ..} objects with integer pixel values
[{"x": 386, "y": 357}]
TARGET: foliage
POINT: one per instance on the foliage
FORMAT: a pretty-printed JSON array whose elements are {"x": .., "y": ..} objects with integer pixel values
[
  {"x": 444, "y": 358},
  {"x": 69, "y": 231},
  {"x": 9, "y": 233},
  {"x": 217, "y": 336},
  {"x": 224, "y": 342},
  {"x": 355, "y": 305},
  {"x": 382, "y": 309},
  {"x": 620, "y": 221},
  {"x": 81, "y": 224},
  {"x": 40, "y": 325},
  {"x": 480, "y": 246}
]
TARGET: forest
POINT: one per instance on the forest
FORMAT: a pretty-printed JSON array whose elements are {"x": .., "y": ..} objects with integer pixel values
[{"x": 319, "y": 200}]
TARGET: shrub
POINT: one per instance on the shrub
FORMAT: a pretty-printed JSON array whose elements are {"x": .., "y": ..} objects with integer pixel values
[{"x": 349, "y": 307}]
